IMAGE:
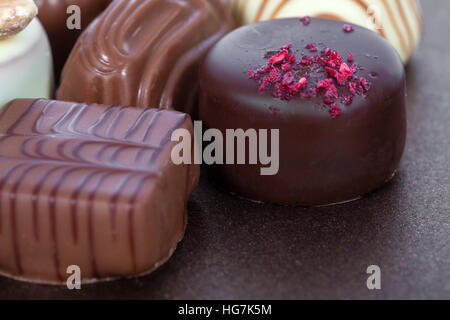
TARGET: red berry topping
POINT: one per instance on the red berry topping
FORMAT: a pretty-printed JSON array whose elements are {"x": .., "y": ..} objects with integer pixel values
[
  {"x": 306, "y": 20},
  {"x": 311, "y": 47},
  {"x": 350, "y": 57},
  {"x": 348, "y": 28},
  {"x": 334, "y": 80}
]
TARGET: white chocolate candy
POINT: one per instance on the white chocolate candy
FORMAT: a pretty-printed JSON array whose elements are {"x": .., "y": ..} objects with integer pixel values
[
  {"x": 15, "y": 15},
  {"x": 26, "y": 68},
  {"x": 399, "y": 21}
]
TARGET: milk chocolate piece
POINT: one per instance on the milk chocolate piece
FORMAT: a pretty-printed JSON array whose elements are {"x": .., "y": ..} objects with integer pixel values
[
  {"x": 144, "y": 53},
  {"x": 89, "y": 185},
  {"x": 53, "y": 15},
  {"x": 338, "y": 99},
  {"x": 399, "y": 21}
]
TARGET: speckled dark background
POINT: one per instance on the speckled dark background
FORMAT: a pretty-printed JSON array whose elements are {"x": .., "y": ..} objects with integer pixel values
[{"x": 234, "y": 249}]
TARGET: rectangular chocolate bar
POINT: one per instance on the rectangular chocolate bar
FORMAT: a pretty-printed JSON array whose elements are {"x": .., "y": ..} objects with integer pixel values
[{"x": 89, "y": 185}]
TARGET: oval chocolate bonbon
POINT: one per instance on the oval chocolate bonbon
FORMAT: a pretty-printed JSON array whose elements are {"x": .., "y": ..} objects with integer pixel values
[{"x": 144, "y": 53}]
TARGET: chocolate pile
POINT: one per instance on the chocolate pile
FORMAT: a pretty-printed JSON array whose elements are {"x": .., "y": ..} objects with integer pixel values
[{"x": 87, "y": 182}]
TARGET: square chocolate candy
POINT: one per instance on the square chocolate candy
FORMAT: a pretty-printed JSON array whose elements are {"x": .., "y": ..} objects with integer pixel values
[{"x": 91, "y": 186}]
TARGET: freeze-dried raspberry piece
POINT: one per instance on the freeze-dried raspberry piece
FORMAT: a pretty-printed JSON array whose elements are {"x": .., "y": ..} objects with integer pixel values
[{"x": 334, "y": 80}]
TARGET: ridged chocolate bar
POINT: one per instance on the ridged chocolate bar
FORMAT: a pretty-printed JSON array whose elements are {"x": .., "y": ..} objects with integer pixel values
[
  {"x": 144, "y": 53},
  {"x": 89, "y": 185}
]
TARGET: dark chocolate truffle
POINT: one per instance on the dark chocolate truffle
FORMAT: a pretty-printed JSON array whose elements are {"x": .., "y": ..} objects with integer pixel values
[
  {"x": 91, "y": 186},
  {"x": 53, "y": 15},
  {"x": 145, "y": 53},
  {"x": 336, "y": 94}
]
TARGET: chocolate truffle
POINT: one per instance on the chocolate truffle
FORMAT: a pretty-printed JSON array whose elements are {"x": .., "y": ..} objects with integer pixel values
[
  {"x": 89, "y": 186},
  {"x": 25, "y": 56},
  {"x": 53, "y": 15},
  {"x": 144, "y": 53},
  {"x": 337, "y": 98},
  {"x": 399, "y": 21}
]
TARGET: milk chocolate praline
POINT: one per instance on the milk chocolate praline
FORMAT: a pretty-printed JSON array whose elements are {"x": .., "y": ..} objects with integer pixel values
[
  {"x": 324, "y": 159},
  {"x": 145, "y": 53},
  {"x": 89, "y": 186},
  {"x": 53, "y": 15}
]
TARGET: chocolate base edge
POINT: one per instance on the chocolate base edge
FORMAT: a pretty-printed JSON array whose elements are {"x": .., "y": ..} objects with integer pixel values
[{"x": 156, "y": 266}]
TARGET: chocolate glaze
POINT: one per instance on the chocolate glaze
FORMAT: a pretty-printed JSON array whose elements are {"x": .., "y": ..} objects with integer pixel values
[
  {"x": 323, "y": 160},
  {"x": 398, "y": 21},
  {"x": 144, "y": 53},
  {"x": 53, "y": 15},
  {"x": 89, "y": 185}
]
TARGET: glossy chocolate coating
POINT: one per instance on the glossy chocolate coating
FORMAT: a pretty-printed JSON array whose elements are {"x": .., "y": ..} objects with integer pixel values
[
  {"x": 144, "y": 53},
  {"x": 399, "y": 21},
  {"x": 53, "y": 15},
  {"x": 89, "y": 185},
  {"x": 323, "y": 160}
]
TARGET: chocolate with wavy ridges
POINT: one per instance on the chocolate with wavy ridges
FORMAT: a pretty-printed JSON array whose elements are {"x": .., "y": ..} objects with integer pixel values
[
  {"x": 53, "y": 15},
  {"x": 399, "y": 21},
  {"x": 89, "y": 185},
  {"x": 144, "y": 53}
]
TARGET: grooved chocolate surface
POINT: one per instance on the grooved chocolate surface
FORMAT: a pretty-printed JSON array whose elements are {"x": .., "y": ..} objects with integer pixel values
[
  {"x": 144, "y": 53},
  {"x": 89, "y": 185},
  {"x": 237, "y": 249},
  {"x": 53, "y": 15}
]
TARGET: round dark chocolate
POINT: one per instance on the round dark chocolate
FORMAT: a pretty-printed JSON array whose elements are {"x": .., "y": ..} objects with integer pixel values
[{"x": 327, "y": 155}]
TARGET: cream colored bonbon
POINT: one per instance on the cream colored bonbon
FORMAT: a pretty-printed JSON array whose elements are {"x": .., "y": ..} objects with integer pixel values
[
  {"x": 26, "y": 69},
  {"x": 399, "y": 21},
  {"x": 15, "y": 15}
]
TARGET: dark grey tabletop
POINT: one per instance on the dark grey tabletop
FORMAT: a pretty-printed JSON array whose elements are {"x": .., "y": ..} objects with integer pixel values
[{"x": 234, "y": 249}]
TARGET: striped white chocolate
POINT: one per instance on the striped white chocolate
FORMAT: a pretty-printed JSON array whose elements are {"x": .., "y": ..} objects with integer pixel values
[{"x": 399, "y": 21}]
